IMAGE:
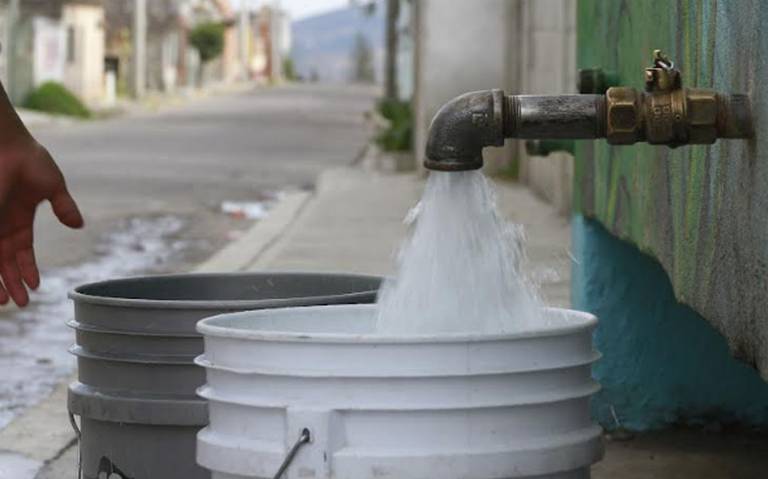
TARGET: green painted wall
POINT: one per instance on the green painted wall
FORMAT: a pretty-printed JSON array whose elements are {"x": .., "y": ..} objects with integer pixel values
[{"x": 702, "y": 211}]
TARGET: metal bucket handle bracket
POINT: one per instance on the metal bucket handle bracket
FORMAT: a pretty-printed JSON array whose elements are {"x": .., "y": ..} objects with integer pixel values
[
  {"x": 78, "y": 435},
  {"x": 304, "y": 438}
]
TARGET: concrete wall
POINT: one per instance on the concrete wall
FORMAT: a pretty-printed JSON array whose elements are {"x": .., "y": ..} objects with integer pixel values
[
  {"x": 701, "y": 213},
  {"x": 84, "y": 72},
  {"x": 20, "y": 55},
  {"x": 522, "y": 46},
  {"x": 548, "y": 60},
  {"x": 48, "y": 50},
  {"x": 461, "y": 47}
]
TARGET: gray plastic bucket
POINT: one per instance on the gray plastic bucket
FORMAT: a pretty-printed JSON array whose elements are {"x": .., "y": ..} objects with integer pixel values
[{"x": 135, "y": 345}]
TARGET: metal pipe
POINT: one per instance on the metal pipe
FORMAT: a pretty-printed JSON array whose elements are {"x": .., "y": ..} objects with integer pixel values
[
  {"x": 673, "y": 117},
  {"x": 470, "y": 122},
  {"x": 664, "y": 114},
  {"x": 570, "y": 117},
  {"x": 734, "y": 118}
]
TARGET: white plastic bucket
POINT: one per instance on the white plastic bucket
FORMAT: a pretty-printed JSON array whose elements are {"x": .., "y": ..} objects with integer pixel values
[{"x": 448, "y": 406}]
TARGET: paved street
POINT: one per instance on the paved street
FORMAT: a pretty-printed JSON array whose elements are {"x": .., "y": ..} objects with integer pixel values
[
  {"x": 151, "y": 187},
  {"x": 188, "y": 160}
]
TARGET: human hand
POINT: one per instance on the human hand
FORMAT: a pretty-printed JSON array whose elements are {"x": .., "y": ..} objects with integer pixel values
[{"x": 28, "y": 176}]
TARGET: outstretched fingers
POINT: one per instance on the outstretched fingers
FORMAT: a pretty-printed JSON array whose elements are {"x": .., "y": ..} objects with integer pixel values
[
  {"x": 10, "y": 273},
  {"x": 25, "y": 257},
  {"x": 66, "y": 210},
  {"x": 3, "y": 296}
]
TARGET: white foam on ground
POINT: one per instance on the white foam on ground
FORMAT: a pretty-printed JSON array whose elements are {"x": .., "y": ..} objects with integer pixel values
[
  {"x": 16, "y": 466},
  {"x": 34, "y": 342}
]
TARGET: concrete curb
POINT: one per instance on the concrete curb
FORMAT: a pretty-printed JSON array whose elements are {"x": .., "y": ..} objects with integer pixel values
[
  {"x": 240, "y": 254},
  {"x": 32, "y": 118},
  {"x": 43, "y": 433}
]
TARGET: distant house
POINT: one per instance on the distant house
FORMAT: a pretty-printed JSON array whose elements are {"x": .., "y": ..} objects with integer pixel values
[
  {"x": 270, "y": 45},
  {"x": 170, "y": 62},
  {"x": 55, "y": 40},
  {"x": 166, "y": 43},
  {"x": 83, "y": 24}
]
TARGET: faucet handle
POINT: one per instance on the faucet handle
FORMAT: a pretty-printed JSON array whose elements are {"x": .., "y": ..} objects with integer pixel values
[{"x": 662, "y": 76}]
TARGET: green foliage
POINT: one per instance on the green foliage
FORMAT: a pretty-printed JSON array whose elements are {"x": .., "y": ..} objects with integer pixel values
[
  {"x": 52, "y": 97},
  {"x": 398, "y": 135},
  {"x": 362, "y": 60},
  {"x": 510, "y": 171},
  {"x": 289, "y": 70},
  {"x": 208, "y": 39}
]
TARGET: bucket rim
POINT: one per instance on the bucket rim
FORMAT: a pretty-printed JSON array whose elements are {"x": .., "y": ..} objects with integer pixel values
[
  {"x": 80, "y": 295},
  {"x": 580, "y": 322},
  {"x": 91, "y": 329}
]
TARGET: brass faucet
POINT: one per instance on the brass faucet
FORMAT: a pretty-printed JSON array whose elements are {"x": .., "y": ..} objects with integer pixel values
[{"x": 668, "y": 114}]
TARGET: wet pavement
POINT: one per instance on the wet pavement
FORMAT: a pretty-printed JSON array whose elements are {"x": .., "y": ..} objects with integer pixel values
[
  {"x": 161, "y": 193},
  {"x": 34, "y": 341},
  {"x": 187, "y": 161}
]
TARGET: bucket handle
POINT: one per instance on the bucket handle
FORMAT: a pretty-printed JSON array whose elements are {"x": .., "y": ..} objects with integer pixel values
[
  {"x": 76, "y": 428},
  {"x": 304, "y": 438}
]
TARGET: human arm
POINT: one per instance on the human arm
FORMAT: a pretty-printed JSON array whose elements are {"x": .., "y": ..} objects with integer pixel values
[{"x": 28, "y": 176}]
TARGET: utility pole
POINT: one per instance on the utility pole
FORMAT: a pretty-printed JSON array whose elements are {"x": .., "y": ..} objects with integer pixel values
[
  {"x": 390, "y": 63},
  {"x": 139, "y": 47},
  {"x": 9, "y": 48},
  {"x": 244, "y": 43}
]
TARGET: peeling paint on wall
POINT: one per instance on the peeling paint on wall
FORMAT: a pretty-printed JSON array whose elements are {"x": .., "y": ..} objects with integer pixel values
[
  {"x": 662, "y": 363},
  {"x": 702, "y": 211}
]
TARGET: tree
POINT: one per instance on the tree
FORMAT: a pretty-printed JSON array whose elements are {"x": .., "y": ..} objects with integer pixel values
[
  {"x": 289, "y": 70},
  {"x": 362, "y": 60},
  {"x": 390, "y": 63},
  {"x": 208, "y": 39}
]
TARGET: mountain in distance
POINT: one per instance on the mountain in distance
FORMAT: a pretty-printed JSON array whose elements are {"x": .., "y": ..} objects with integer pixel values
[{"x": 322, "y": 45}]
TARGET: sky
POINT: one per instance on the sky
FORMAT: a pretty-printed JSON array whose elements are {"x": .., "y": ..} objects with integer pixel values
[{"x": 300, "y": 8}]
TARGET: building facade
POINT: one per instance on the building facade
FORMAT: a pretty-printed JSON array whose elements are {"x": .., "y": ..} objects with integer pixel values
[
  {"x": 171, "y": 63},
  {"x": 61, "y": 41}
]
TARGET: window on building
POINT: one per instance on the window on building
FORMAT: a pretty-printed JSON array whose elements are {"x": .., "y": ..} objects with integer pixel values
[{"x": 71, "y": 57}]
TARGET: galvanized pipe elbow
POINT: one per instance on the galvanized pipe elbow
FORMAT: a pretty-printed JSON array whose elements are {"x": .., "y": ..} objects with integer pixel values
[{"x": 462, "y": 128}]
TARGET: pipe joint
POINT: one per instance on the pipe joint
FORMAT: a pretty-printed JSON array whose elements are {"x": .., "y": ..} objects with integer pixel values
[{"x": 462, "y": 128}]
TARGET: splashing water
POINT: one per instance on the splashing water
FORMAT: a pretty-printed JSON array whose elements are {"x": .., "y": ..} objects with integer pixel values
[{"x": 459, "y": 271}]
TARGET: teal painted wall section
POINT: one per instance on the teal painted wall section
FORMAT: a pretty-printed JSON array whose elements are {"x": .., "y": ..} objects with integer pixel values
[
  {"x": 662, "y": 363},
  {"x": 702, "y": 211}
]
